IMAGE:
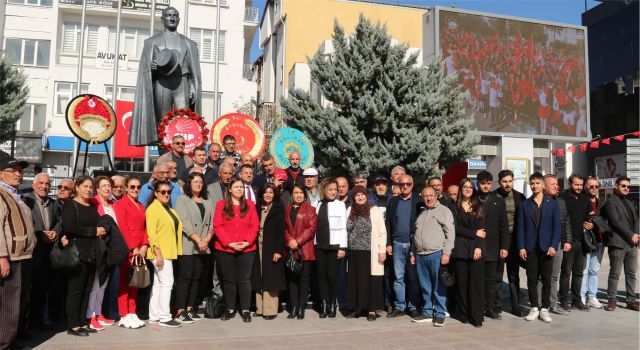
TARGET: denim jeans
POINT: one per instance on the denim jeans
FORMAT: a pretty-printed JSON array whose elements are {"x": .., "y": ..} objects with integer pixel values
[
  {"x": 400, "y": 262},
  {"x": 589, "y": 287},
  {"x": 434, "y": 292}
]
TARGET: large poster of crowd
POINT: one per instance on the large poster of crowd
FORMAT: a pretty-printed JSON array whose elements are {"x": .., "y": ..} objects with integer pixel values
[{"x": 522, "y": 77}]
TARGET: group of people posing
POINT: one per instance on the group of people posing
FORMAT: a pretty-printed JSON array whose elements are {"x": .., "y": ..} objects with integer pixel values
[{"x": 210, "y": 224}]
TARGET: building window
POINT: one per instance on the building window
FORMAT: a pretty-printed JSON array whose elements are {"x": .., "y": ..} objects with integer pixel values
[
  {"x": 125, "y": 93},
  {"x": 71, "y": 39},
  {"x": 31, "y": 2},
  {"x": 131, "y": 41},
  {"x": 33, "y": 118},
  {"x": 205, "y": 38},
  {"x": 28, "y": 52},
  {"x": 64, "y": 92},
  {"x": 224, "y": 3}
]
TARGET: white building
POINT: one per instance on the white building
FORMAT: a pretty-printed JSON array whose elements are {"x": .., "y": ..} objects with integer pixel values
[{"x": 43, "y": 38}]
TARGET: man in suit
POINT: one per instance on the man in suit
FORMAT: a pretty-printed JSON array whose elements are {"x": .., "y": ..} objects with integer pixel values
[
  {"x": 622, "y": 244},
  {"x": 46, "y": 225},
  {"x": 177, "y": 155},
  {"x": 268, "y": 164},
  {"x": 512, "y": 199},
  {"x": 497, "y": 241},
  {"x": 199, "y": 161},
  {"x": 213, "y": 160},
  {"x": 401, "y": 218},
  {"x": 538, "y": 234},
  {"x": 246, "y": 175}
]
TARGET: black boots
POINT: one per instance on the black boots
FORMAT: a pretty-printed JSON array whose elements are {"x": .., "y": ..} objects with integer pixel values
[
  {"x": 332, "y": 310},
  {"x": 293, "y": 314},
  {"x": 324, "y": 309},
  {"x": 301, "y": 313}
]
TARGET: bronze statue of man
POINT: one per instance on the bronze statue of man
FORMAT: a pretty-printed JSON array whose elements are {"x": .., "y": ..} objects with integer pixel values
[{"x": 168, "y": 77}]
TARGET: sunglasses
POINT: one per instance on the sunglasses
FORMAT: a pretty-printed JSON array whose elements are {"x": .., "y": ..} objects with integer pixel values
[
  {"x": 60, "y": 187},
  {"x": 407, "y": 184},
  {"x": 594, "y": 187},
  {"x": 164, "y": 192},
  {"x": 179, "y": 143},
  {"x": 134, "y": 187},
  {"x": 623, "y": 186}
]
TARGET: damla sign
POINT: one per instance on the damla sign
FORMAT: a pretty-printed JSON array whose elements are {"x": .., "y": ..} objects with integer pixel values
[{"x": 105, "y": 60}]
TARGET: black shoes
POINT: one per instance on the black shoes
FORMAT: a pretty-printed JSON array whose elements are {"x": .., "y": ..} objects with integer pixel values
[
  {"x": 269, "y": 317},
  {"x": 80, "y": 332},
  {"x": 332, "y": 311},
  {"x": 371, "y": 317},
  {"x": 493, "y": 315},
  {"x": 227, "y": 315},
  {"x": 301, "y": 314},
  {"x": 246, "y": 316},
  {"x": 293, "y": 314},
  {"x": 581, "y": 306},
  {"x": 395, "y": 313},
  {"x": 323, "y": 310}
]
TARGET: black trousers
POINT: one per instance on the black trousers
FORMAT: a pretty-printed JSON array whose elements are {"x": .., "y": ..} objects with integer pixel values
[
  {"x": 110, "y": 301},
  {"x": 327, "y": 269},
  {"x": 491, "y": 283},
  {"x": 188, "y": 281},
  {"x": 364, "y": 291},
  {"x": 210, "y": 278},
  {"x": 236, "y": 270},
  {"x": 470, "y": 289},
  {"x": 144, "y": 295},
  {"x": 513, "y": 263},
  {"x": 298, "y": 285},
  {"x": 571, "y": 270},
  {"x": 389, "y": 277},
  {"x": 14, "y": 292},
  {"x": 41, "y": 282},
  {"x": 539, "y": 266},
  {"x": 79, "y": 284}
]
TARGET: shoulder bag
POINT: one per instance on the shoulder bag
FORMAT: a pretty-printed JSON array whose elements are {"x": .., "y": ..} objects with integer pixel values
[{"x": 139, "y": 276}]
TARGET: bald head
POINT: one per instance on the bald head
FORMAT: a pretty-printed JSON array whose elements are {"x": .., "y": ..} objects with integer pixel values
[{"x": 160, "y": 172}]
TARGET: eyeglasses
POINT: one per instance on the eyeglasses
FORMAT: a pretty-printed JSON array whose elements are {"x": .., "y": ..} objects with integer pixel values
[
  {"x": 134, "y": 187},
  {"x": 594, "y": 187},
  {"x": 161, "y": 172},
  {"x": 179, "y": 143},
  {"x": 164, "y": 192},
  {"x": 467, "y": 187},
  {"x": 407, "y": 184},
  {"x": 60, "y": 187},
  {"x": 623, "y": 186}
]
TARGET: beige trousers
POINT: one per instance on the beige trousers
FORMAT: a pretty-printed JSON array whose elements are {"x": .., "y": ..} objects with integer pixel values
[{"x": 267, "y": 303}]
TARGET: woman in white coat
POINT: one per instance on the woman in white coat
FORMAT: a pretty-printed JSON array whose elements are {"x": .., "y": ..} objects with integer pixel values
[{"x": 367, "y": 237}]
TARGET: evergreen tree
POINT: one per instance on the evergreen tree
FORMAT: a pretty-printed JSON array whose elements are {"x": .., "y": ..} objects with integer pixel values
[
  {"x": 385, "y": 110},
  {"x": 13, "y": 96}
]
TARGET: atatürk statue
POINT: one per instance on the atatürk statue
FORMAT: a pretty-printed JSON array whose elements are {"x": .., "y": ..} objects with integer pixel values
[{"x": 168, "y": 77}]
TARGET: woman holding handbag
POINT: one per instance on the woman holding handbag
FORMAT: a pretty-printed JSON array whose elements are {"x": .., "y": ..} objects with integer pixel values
[
  {"x": 164, "y": 230},
  {"x": 367, "y": 253},
  {"x": 268, "y": 269},
  {"x": 79, "y": 227},
  {"x": 300, "y": 230},
  {"x": 133, "y": 229},
  {"x": 196, "y": 212},
  {"x": 236, "y": 224}
]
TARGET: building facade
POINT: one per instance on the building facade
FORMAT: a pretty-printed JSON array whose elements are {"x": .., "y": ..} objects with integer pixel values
[{"x": 42, "y": 37}]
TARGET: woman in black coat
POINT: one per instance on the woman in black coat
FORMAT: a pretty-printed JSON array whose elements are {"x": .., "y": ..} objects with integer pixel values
[{"x": 268, "y": 277}]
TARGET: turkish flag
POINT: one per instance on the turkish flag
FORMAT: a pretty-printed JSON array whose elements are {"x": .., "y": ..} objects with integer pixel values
[
  {"x": 606, "y": 141},
  {"x": 619, "y": 138},
  {"x": 583, "y": 147},
  {"x": 121, "y": 147},
  {"x": 594, "y": 144}
]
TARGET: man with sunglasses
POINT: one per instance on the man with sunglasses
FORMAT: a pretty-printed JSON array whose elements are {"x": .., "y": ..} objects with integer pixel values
[
  {"x": 589, "y": 289},
  {"x": 622, "y": 244},
  {"x": 160, "y": 173},
  {"x": 17, "y": 242},
  {"x": 177, "y": 155},
  {"x": 400, "y": 219}
]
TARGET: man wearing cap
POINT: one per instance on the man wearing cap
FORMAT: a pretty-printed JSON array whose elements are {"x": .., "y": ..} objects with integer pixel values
[
  {"x": 311, "y": 186},
  {"x": 17, "y": 241},
  {"x": 168, "y": 77}
]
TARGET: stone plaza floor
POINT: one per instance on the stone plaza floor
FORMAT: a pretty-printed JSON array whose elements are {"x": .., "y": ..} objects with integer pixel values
[{"x": 597, "y": 329}]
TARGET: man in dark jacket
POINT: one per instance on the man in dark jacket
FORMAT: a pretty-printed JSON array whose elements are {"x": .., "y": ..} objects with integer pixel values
[
  {"x": 497, "y": 240},
  {"x": 294, "y": 172},
  {"x": 401, "y": 218},
  {"x": 551, "y": 189},
  {"x": 512, "y": 199},
  {"x": 573, "y": 262},
  {"x": 622, "y": 244}
]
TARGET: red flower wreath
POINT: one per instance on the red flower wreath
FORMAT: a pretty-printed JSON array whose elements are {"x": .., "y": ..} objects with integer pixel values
[{"x": 164, "y": 136}]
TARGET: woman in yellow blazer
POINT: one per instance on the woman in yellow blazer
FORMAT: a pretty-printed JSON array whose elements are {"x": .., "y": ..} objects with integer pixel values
[{"x": 164, "y": 229}]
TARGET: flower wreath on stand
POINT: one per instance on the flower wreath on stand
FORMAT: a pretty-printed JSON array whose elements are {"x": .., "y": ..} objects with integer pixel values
[{"x": 182, "y": 121}]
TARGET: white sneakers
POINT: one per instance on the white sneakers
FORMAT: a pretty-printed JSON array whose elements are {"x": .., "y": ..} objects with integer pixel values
[
  {"x": 594, "y": 303},
  {"x": 533, "y": 314},
  {"x": 131, "y": 321},
  {"x": 542, "y": 314}
]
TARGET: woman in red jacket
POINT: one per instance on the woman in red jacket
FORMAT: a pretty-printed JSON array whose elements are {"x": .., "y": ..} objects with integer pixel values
[
  {"x": 131, "y": 216},
  {"x": 236, "y": 224},
  {"x": 300, "y": 230}
]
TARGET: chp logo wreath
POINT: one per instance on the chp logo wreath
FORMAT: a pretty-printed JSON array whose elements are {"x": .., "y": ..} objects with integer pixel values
[{"x": 184, "y": 122}]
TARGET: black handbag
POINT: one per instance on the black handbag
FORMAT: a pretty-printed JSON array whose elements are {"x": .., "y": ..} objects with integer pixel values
[
  {"x": 589, "y": 240},
  {"x": 446, "y": 276},
  {"x": 294, "y": 265},
  {"x": 214, "y": 307},
  {"x": 139, "y": 276},
  {"x": 64, "y": 257}
]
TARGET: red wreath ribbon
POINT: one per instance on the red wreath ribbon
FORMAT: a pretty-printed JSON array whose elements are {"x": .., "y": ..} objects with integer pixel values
[{"x": 180, "y": 113}]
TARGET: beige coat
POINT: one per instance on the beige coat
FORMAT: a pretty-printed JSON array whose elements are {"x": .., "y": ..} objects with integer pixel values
[
  {"x": 378, "y": 240},
  {"x": 17, "y": 237}
]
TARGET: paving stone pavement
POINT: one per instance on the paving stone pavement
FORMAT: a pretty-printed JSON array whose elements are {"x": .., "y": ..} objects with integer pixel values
[{"x": 597, "y": 329}]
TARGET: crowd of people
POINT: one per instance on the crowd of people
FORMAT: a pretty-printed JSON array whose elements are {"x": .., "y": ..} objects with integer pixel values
[
  {"x": 286, "y": 239},
  {"x": 516, "y": 80}
]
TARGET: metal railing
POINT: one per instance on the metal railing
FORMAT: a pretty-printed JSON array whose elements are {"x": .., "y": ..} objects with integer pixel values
[{"x": 251, "y": 14}]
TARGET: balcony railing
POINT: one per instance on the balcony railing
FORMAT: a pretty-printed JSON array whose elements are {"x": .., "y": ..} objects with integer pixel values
[{"x": 251, "y": 14}]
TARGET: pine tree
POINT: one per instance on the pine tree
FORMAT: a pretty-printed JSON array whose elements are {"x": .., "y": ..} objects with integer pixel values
[
  {"x": 385, "y": 110},
  {"x": 13, "y": 96}
]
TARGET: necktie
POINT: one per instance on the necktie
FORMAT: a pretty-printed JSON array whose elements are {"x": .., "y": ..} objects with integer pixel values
[{"x": 249, "y": 193}]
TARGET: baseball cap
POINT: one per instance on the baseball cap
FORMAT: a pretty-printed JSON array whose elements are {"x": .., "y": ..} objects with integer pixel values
[
  {"x": 310, "y": 172},
  {"x": 279, "y": 174},
  {"x": 380, "y": 178},
  {"x": 7, "y": 161}
]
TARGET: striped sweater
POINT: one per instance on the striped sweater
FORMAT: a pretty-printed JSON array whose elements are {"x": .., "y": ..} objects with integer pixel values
[{"x": 17, "y": 237}]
